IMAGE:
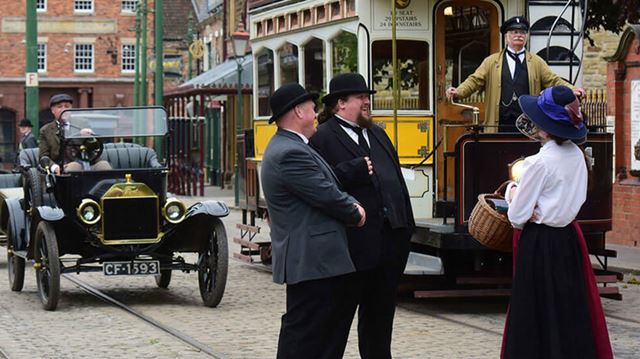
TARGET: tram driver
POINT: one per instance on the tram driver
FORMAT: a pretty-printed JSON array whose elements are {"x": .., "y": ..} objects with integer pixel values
[{"x": 509, "y": 74}]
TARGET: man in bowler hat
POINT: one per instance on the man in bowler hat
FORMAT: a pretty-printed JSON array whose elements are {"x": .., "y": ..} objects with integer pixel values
[
  {"x": 367, "y": 165},
  {"x": 52, "y": 138},
  {"x": 308, "y": 214},
  {"x": 28, "y": 140},
  {"x": 507, "y": 75}
]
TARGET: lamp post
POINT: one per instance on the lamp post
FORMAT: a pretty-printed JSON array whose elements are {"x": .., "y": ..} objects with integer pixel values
[{"x": 239, "y": 40}]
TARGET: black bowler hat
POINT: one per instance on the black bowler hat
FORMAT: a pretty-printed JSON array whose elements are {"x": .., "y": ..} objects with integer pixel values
[
  {"x": 516, "y": 22},
  {"x": 61, "y": 97},
  {"x": 346, "y": 84},
  {"x": 25, "y": 123},
  {"x": 286, "y": 97}
]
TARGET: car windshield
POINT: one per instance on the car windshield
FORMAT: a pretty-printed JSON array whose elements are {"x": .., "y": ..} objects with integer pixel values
[{"x": 116, "y": 122}]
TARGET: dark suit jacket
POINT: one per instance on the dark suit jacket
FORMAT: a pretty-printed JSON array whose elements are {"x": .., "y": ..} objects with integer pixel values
[
  {"x": 28, "y": 141},
  {"x": 366, "y": 243},
  {"x": 308, "y": 212}
]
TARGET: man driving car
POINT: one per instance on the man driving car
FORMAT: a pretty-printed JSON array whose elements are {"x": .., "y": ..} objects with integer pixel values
[{"x": 52, "y": 140}]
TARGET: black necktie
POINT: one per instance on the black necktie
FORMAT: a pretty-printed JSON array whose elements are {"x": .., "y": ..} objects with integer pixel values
[
  {"x": 518, "y": 67},
  {"x": 362, "y": 142}
]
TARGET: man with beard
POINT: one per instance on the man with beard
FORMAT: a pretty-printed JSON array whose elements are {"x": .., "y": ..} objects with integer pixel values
[{"x": 367, "y": 166}]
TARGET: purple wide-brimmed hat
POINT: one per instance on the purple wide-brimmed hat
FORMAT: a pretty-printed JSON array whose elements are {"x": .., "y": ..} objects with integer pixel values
[{"x": 556, "y": 111}]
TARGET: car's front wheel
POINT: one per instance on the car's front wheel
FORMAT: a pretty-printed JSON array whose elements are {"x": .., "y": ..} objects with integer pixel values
[
  {"x": 213, "y": 262},
  {"x": 164, "y": 278},
  {"x": 47, "y": 265}
]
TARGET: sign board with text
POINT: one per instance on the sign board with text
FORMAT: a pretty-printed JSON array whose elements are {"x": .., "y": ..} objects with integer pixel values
[{"x": 410, "y": 15}]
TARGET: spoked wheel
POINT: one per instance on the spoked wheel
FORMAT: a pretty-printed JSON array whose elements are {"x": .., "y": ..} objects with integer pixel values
[
  {"x": 32, "y": 189},
  {"x": 15, "y": 266},
  {"x": 213, "y": 262},
  {"x": 164, "y": 278},
  {"x": 47, "y": 265}
]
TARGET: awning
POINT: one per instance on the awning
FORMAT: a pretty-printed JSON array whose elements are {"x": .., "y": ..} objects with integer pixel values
[{"x": 224, "y": 75}]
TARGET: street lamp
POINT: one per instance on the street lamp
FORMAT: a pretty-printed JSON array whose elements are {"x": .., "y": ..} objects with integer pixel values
[{"x": 239, "y": 40}]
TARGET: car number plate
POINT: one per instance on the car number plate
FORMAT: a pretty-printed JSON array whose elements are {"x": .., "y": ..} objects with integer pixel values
[{"x": 131, "y": 268}]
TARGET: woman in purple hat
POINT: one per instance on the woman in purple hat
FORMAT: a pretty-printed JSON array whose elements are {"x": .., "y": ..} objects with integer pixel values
[{"x": 555, "y": 309}]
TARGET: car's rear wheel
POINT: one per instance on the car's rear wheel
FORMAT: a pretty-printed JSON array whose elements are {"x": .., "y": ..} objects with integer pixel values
[
  {"x": 164, "y": 278},
  {"x": 15, "y": 266},
  {"x": 47, "y": 265},
  {"x": 213, "y": 262}
]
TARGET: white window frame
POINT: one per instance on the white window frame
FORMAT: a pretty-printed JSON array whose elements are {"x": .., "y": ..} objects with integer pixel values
[
  {"x": 42, "y": 50},
  {"x": 43, "y": 8},
  {"x": 76, "y": 58},
  {"x": 84, "y": 11},
  {"x": 131, "y": 60},
  {"x": 125, "y": 9}
]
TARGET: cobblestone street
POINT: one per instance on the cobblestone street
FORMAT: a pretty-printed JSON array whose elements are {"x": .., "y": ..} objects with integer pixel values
[{"x": 246, "y": 323}]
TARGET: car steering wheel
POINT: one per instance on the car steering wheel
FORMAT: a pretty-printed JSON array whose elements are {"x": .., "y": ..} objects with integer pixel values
[{"x": 86, "y": 148}]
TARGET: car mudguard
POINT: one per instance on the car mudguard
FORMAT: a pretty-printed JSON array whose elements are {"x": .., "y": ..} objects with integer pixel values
[
  {"x": 50, "y": 214},
  {"x": 194, "y": 231},
  {"x": 15, "y": 220},
  {"x": 213, "y": 208}
]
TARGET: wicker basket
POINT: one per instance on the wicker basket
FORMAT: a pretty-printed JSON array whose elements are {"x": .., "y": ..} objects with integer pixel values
[{"x": 489, "y": 227}]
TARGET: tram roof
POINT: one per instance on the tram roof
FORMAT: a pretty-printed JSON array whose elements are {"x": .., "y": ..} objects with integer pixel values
[{"x": 223, "y": 77}]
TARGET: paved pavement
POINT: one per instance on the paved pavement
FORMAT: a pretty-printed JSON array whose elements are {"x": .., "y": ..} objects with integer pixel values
[{"x": 247, "y": 321}]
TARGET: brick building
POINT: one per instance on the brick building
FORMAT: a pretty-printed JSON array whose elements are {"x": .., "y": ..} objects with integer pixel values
[{"x": 85, "y": 48}]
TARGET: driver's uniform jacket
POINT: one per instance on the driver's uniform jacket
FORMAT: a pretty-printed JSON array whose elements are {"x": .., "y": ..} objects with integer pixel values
[{"x": 50, "y": 138}]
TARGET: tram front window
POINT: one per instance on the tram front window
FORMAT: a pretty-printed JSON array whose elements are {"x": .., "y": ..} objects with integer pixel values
[
  {"x": 413, "y": 62},
  {"x": 345, "y": 53},
  {"x": 265, "y": 81},
  {"x": 288, "y": 64},
  {"x": 314, "y": 65}
]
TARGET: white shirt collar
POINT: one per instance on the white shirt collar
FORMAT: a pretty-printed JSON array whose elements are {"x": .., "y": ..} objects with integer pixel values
[
  {"x": 304, "y": 139},
  {"x": 516, "y": 52},
  {"x": 354, "y": 124}
]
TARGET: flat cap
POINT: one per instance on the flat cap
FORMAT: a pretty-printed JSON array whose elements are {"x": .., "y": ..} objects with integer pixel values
[
  {"x": 516, "y": 22},
  {"x": 61, "y": 97}
]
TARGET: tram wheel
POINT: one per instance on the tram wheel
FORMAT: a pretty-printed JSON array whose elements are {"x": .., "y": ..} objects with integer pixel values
[
  {"x": 47, "y": 265},
  {"x": 213, "y": 262},
  {"x": 15, "y": 266},
  {"x": 164, "y": 278}
]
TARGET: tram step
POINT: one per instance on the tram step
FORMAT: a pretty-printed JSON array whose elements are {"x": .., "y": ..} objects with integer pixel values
[
  {"x": 243, "y": 258},
  {"x": 606, "y": 279},
  {"x": 483, "y": 280},
  {"x": 604, "y": 252},
  {"x": 248, "y": 228},
  {"x": 458, "y": 293},
  {"x": 253, "y": 245}
]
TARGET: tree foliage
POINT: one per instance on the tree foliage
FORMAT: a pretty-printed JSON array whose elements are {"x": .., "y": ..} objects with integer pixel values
[{"x": 611, "y": 15}]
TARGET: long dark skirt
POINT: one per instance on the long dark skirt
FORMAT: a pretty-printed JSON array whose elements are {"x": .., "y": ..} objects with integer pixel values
[{"x": 554, "y": 311}]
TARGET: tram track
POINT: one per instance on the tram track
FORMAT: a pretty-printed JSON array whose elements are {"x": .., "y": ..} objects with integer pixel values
[{"x": 192, "y": 342}]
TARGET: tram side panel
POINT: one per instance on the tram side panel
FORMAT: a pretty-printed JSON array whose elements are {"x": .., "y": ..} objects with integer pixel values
[{"x": 482, "y": 165}]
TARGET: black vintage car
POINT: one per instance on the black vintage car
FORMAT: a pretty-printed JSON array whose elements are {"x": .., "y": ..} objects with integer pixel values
[{"x": 119, "y": 221}]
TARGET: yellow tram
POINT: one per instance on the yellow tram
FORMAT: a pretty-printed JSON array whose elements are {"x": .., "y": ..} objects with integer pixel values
[{"x": 434, "y": 44}]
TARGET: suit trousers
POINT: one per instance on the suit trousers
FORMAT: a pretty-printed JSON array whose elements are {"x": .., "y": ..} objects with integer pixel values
[
  {"x": 377, "y": 296},
  {"x": 318, "y": 318}
]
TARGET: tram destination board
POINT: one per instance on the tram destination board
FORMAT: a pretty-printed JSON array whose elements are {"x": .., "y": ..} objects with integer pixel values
[{"x": 131, "y": 268}]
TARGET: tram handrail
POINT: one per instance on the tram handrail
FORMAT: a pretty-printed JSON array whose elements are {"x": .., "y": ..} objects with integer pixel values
[{"x": 476, "y": 111}]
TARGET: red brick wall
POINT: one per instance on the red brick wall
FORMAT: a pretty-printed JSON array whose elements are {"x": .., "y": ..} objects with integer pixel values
[
  {"x": 59, "y": 62},
  {"x": 626, "y": 188}
]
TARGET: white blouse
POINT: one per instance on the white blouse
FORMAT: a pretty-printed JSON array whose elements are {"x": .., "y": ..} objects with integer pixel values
[{"x": 553, "y": 186}]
